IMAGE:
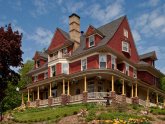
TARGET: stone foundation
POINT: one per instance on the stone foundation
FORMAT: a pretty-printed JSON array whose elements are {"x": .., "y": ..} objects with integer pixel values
[
  {"x": 37, "y": 102},
  {"x": 85, "y": 97},
  {"x": 50, "y": 100},
  {"x": 68, "y": 98},
  {"x": 113, "y": 96},
  {"x": 64, "y": 99},
  {"x": 123, "y": 98},
  {"x": 28, "y": 103},
  {"x": 135, "y": 100}
]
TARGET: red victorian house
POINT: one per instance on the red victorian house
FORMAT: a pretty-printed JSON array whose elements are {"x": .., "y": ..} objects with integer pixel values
[{"x": 85, "y": 67}]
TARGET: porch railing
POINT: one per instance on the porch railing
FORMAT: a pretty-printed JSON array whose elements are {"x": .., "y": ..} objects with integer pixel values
[
  {"x": 33, "y": 104},
  {"x": 57, "y": 100},
  {"x": 76, "y": 98},
  {"x": 97, "y": 95},
  {"x": 142, "y": 102},
  {"x": 44, "y": 102},
  {"x": 128, "y": 100}
]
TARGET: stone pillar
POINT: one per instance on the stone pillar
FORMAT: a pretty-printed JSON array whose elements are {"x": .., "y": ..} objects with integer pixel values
[
  {"x": 50, "y": 99},
  {"x": 113, "y": 94},
  {"x": 85, "y": 92}
]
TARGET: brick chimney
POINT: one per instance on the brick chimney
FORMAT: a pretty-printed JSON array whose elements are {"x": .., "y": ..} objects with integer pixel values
[{"x": 74, "y": 29}]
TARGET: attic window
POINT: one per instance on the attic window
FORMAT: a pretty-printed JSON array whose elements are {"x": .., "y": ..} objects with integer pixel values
[
  {"x": 125, "y": 46},
  {"x": 125, "y": 33},
  {"x": 91, "y": 41}
]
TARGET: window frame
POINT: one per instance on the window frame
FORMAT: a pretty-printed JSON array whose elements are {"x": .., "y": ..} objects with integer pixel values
[
  {"x": 67, "y": 68},
  {"x": 134, "y": 73},
  {"x": 113, "y": 61},
  {"x": 35, "y": 78},
  {"x": 45, "y": 75},
  {"x": 105, "y": 60},
  {"x": 54, "y": 70},
  {"x": 127, "y": 67},
  {"x": 89, "y": 40},
  {"x": 85, "y": 59},
  {"x": 127, "y": 46}
]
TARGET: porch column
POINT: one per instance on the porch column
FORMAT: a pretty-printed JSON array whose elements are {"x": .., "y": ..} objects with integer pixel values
[
  {"x": 28, "y": 96},
  {"x": 38, "y": 97},
  {"x": 63, "y": 92},
  {"x": 22, "y": 99},
  {"x": 147, "y": 100},
  {"x": 85, "y": 84},
  {"x": 85, "y": 92},
  {"x": 38, "y": 93},
  {"x": 136, "y": 90},
  {"x": 112, "y": 84},
  {"x": 157, "y": 100},
  {"x": 123, "y": 88},
  {"x": 68, "y": 88},
  {"x": 50, "y": 98},
  {"x": 50, "y": 90},
  {"x": 132, "y": 91}
]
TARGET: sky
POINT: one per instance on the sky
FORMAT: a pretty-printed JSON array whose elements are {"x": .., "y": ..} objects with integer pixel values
[{"x": 38, "y": 20}]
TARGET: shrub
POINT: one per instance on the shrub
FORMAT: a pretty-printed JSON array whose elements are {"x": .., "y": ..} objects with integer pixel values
[{"x": 91, "y": 116}]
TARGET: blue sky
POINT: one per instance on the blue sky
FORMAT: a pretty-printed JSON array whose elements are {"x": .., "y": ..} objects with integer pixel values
[{"x": 38, "y": 20}]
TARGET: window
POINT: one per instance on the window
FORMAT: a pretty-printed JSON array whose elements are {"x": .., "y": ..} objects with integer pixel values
[
  {"x": 113, "y": 60},
  {"x": 65, "y": 51},
  {"x": 83, "y": 64},
  {"x": 35, "y": 78},
  {"x": 127, "y": 69},
  {"x": 45, "y": 75},
  {"x": 91, "y": 41},
  {"x": 53, "y": 70},
  {"x": 125, "y": 46},
  {"x": 134, "y": 73},
  {"x": 102, "y": 61},
  {"x": 65, "y": 68},
  {"x": 125, "y": 33},
  {"x": 37, "y": 63}
]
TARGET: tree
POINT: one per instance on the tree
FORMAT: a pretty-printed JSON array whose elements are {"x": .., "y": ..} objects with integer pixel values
[
  {"x": 10, "y": 55},
  {"x": 162, "y": 83}
]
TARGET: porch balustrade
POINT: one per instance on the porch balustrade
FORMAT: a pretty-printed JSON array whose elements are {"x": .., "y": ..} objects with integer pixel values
[
  {"x": 142, "y": 102},
  {"x": 76, "y": 98},
  {"x": 44, "y": 102},
  {"x": 33, "y": 104},
  {"x": 97, "y": 95},
  {"x": 57, "y": 100}
]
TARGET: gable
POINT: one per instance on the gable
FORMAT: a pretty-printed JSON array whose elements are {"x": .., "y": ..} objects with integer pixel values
[
  {"x": 57, "y": 41},
  {"x": 90, "y": 30},
  {"x": 116, "y": 41}
]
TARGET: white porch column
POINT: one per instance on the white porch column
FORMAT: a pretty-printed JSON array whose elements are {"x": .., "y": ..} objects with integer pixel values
[
  {"x": 112, "y": 84},
  {"x": 63, "y": 92}
]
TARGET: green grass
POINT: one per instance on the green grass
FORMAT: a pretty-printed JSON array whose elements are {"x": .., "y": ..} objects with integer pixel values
[
  {"x": 157, "y": 111},
  {"x": 48, "y": 113}
]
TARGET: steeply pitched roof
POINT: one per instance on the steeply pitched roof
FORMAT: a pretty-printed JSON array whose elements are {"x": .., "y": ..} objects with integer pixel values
[
  {"x": 151, "y": 55},
  {"x": 41, "y": 54},
  {"x": 108, "y": 30},
  {"x": 66, "y": 35}
]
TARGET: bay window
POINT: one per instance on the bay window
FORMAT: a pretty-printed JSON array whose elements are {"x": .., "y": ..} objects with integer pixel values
[
  {"x": 65, "y": 68},
  {"x": 103, "y": 61},
  {"x": 83, "y": 64}
]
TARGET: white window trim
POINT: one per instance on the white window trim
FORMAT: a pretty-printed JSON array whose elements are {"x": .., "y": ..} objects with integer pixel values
[
  {"x": 125, "y": 32},
  {"x": 81, "y": 64},
  {"x": 123, "y": 42},
  {"x": 93, "y": 41},
  {"x": 105, "y": 58},
  {"x": 51, "y": 75},
  {"x": 45, "y": 75},
  {"x": 67, "y": 68},
  {"x": 134, "y": 70}
]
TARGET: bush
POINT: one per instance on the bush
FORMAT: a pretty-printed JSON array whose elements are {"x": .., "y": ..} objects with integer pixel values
[{"x": 91, "y": 116}]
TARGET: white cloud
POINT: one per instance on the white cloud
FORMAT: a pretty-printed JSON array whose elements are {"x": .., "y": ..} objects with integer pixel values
[
  {"x": 136, "y": 35},
  {"x": 104, "y": 15},
  {"x": 41, "y": 36},
  {"x": 150, "y": 3}
]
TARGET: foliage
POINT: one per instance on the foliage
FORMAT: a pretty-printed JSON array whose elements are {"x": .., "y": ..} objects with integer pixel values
[
  {"x": 157, "y": 111},
  {"x": 162, "y": 83},
  {"x": 91, "y": 116},
  {"x": 10, "y": 56}
]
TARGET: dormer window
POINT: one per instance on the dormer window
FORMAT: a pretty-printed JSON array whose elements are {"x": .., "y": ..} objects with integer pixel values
[
  {"x": 125, "y": 46},
  {"x": 125, "y": 33},
  {"x": 91, "y": 41}
]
